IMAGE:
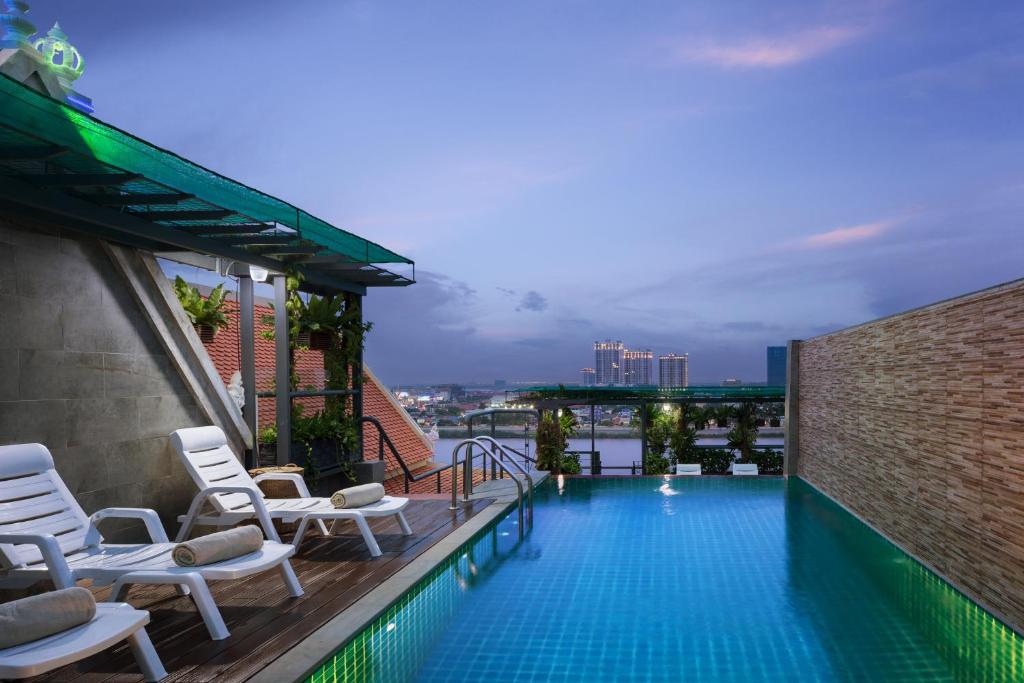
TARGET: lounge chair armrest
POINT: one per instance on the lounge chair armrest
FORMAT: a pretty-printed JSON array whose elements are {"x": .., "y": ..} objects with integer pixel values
[
  {"x": 258, "y": 506},
  {"x": 300, "y": 483},
  {"x": 49, "y": 548},
  {"x": 148, "y": 517}
]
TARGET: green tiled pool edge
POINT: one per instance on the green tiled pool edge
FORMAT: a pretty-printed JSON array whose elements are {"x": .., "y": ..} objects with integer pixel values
[{"x": 315, "y": 652}]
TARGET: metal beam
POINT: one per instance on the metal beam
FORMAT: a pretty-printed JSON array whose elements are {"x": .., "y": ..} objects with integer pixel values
[
  {"x": 79, "y": 179},
  {"x": 213, "y": 215},
  {"x": 225, "y": 228},
  {"x": 258, "y": 239},
  {"x": 123, "y": 227},
  {"x": 643, "y": 437},
  {"x": 282, "y": 371},
  {"x": 247, "y": 338},
  {"x": 31, "y": 153},
  {"x": 138, "y": 199},
  {"x": 287, "y": 250},
  {"x": 348, "y": 267}
]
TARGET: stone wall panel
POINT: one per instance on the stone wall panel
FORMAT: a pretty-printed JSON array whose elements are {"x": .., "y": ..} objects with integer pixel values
[{"x": 916, "y": 423}]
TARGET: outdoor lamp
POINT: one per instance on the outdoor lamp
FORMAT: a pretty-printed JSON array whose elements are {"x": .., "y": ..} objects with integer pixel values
[{"x": 258, "y": 273}]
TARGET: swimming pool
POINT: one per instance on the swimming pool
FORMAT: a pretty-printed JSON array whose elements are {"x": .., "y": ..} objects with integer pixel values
[{"x": 681, "y": 579}]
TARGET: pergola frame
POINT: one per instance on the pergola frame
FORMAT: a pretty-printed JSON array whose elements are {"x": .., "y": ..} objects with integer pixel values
[
  {"x": 562, "y": 397},
  {"x": 60, "y": 165}
]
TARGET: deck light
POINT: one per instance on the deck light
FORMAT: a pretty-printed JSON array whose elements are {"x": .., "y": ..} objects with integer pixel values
[{"x": 258, "y": 273}]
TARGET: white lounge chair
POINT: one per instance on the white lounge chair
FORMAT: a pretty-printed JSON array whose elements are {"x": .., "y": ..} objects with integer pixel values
[
  {"x": 44, "y": 533},
  {"x": 744, "y": 470},
  {"x": 113, "y": 623},
  {"x": 235, "y": 495},
  {"x": 689, "y": 469}
]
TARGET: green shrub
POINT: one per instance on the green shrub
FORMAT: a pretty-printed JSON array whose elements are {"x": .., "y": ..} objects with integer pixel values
[
  {"x": 768, "y": 461},
  {"x": 714, "y": 460},
  {"x": 571, "y": 463},
  {"x": 656, "y": 463}
]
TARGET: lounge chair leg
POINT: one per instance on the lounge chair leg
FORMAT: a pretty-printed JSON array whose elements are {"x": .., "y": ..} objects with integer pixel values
[
  {"x": 206, "y": 606},
  {"x": 300, "y": 531},
  {"x": 323, "y": 527},
  {"x": 145, "y": 654},
  {"x": 404, "y": 523},
  {"x": 364, "y": 529},
  {"x": 290, "y": 580},
  {"x": 194, "y": 583}
]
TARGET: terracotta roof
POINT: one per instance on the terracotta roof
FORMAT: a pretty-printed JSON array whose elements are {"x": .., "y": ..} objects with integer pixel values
[{"x": 413, "y": 446}]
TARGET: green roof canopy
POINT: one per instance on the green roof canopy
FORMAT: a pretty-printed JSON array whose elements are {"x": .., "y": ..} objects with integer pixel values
[
  {"x": 70, "y": 157},
  {"x": 585, "y": 395}
]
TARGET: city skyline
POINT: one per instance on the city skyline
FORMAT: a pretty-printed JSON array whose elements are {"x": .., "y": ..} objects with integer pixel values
[{"x": 779, "y": 175}]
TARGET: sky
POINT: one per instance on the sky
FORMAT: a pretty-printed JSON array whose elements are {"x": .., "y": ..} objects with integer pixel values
[{"x": 693, "y": 177}]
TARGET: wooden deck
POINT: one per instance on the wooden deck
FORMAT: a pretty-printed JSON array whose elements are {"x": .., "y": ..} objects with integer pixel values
[{"x": 263, "y": 620}]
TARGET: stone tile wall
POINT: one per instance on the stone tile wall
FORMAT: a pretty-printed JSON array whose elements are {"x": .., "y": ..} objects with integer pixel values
[
  {"x": 916, "y": 424},
  {"x": 82, "y": 372}
]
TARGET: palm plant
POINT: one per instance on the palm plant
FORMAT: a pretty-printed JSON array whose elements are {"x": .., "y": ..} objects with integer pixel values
[
  {"x": 205, "y": 313},
  {"x": 722, "y": 414},
  {"x": 743, "y": 436},
  {"x": 683, "y": 439}
]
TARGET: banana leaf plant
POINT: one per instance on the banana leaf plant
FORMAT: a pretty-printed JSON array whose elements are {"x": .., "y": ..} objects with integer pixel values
[{"x": 205, "y": 313}]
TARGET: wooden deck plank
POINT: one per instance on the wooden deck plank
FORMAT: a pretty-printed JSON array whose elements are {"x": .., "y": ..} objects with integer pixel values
[{"x": 264, "y": 621}]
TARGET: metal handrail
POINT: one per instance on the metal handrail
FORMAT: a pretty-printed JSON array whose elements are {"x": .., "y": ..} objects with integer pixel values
[
  {"x": 468, "y": 479},
  {"x": 529, "y": 480},
  {"x": 383, "y": 438}
]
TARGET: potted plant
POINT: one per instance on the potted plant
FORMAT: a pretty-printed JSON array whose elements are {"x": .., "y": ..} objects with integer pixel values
[
  {"x": 206, "y": 313},
  {"x": 319, "y": 322}
]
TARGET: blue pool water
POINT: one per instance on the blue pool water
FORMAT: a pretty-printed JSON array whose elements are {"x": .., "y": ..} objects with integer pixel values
[{"x": 680, "y": 579}]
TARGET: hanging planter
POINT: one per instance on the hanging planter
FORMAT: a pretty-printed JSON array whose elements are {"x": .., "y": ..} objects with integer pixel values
[
  {"x": 315, "y": 340},
  {"x": 206, "y": 313},
  {"x": 206, "y": 332},
  {"x": 320, "y": 341}
]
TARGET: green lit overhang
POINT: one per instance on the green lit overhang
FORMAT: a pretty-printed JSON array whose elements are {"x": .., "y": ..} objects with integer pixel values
[
  {"x": 569, "y": 395},
  {"x": 56, "y": 161}
]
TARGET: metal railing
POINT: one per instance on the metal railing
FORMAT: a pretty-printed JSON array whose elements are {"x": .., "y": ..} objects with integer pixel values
[
  {"x": 383, "y": 439},
  {"x": 467, "y": 479},
  {"x": 504, "y": 450}
]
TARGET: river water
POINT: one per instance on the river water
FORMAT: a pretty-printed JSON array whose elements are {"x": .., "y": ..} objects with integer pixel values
[{"x": 614, "y": 452}]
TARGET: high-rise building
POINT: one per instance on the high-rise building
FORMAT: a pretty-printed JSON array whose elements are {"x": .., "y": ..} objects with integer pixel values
[
  {"x": 636, "y": 367},
  {"x": 674, "y": 371},
  {"x": 589, "y": 377},
  {"x": 776, "y": 366},
  {"x": 608, "y": 361}
]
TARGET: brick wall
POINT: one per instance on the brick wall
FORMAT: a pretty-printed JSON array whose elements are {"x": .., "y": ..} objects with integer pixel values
[{"x": 916, "y": 423}]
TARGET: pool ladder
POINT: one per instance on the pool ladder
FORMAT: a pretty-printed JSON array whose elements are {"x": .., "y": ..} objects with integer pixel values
[{"x": 501, "y": 462}]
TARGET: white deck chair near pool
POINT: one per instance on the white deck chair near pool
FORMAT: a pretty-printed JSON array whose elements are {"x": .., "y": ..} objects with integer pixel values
[
  {"x": 235, "y": 495},
  {"x": 113, "y": 623},
  {"x": 744, "y": 470},
  {"x": 688, "y": 469},
  {"x": 45, "y": 534}
]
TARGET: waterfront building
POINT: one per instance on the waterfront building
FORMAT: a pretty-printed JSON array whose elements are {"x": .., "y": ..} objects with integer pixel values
[
  {"x": 636, "y": 367},
  {"x": 776, "y": 366},
  {"x": 589, "y": 377},
  {"x": 674, "y": 371},
  {"x": 732, "y": 382},
  {"x": 608, "y": 362}
]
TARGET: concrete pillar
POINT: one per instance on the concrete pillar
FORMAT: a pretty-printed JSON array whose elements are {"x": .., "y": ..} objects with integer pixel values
[
  {"x": 791, "y": 433},
  {"x": 247, "y": 337},
  {"x": 282, "y": 371}
]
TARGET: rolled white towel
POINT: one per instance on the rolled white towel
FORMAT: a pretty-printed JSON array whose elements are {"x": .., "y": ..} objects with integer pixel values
[
  {"x": 223, "y": 545},
  {"x": 38, "y": 616},
  {"x": 357, "y": 496}
]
